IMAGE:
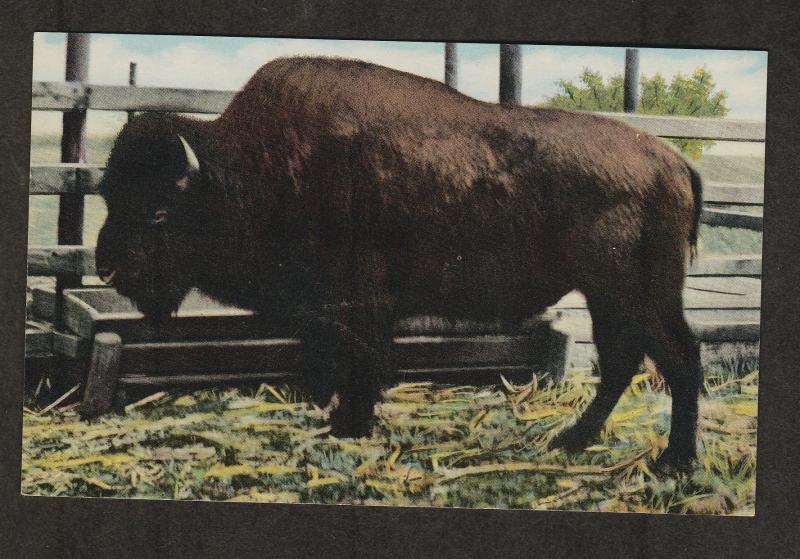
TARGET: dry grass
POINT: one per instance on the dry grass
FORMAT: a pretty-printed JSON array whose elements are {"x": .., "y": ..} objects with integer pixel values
[{"x": 433, "y": 446}]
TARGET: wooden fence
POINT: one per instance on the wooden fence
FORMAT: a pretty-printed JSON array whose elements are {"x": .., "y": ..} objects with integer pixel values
[{"x": 81, "y": 179}]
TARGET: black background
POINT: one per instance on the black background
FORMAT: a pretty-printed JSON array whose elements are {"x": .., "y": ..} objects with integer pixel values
[{"x": 61, "y": 527}]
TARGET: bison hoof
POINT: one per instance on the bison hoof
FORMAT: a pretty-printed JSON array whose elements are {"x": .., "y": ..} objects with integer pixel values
[
  {"x": 571, "y": 440},
  {"x": 673, "y": 462},
  {"x": 342, "y": 430},
  {"x": 347, "y": 425}
]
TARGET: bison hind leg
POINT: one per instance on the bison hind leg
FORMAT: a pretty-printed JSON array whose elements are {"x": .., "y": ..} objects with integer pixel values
[
  {"x": 675, "y": 351},
  {"x": 619, "y": 338}
]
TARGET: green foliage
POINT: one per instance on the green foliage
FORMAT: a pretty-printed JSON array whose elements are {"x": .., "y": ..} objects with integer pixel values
[{"x": 692, "y": 95}]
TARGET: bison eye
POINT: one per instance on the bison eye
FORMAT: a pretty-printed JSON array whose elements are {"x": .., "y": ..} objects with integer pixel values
[{"x": 160, "y": 216}]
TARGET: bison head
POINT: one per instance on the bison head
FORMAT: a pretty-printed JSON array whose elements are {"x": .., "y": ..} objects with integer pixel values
[{"x": 151, "y": 189}]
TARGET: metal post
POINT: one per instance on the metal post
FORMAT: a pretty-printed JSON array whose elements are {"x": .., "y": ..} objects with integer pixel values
[
  {"x": 451, "y": 65},
  {"x": 631, "y": 80},
  {"x": 510, "y": 74},
  {"x": 132, "y": 82},
  {"x": 73, "y": 150}
]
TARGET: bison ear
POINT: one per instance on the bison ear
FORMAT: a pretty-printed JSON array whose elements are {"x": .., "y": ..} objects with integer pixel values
[{"x": 192, "y": 164}]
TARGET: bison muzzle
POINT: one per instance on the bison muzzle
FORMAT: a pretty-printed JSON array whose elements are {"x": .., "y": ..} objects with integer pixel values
[{"x": 342, "y": 196}]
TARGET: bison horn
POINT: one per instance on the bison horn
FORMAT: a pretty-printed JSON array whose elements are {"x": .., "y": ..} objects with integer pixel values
[{"x": 192, "y": 163}]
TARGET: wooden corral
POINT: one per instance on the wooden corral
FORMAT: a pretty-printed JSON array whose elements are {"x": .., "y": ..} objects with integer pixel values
[
  {"x": 210, "y": 343},
  {"x": 102, "y": 331}
]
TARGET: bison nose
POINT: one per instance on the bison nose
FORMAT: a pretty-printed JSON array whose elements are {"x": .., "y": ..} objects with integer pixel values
[{"x": 106, "y": 275}]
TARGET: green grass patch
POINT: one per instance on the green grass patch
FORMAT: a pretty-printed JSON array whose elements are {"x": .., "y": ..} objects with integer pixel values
[{"x": 432, "y": 446}]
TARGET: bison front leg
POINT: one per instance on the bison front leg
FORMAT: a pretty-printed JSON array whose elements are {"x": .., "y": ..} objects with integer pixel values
[
  {"x": 363, "y": 372},
  {"x": 347, "y": 362},
  {"x": 321, "y": 361}
]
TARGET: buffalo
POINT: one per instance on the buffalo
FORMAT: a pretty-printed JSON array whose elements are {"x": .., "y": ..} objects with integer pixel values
[{"x": 343, "y": 196}]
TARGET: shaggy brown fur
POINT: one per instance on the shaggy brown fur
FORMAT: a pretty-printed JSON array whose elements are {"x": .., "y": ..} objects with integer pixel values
[{"x": 346, "y": 195}]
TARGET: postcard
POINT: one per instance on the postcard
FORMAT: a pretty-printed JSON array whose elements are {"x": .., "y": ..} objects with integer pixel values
[{"x": 394, "y": 273}]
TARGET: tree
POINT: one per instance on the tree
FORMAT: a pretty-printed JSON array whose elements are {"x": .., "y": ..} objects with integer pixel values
[{"x": 692, "y": 95}]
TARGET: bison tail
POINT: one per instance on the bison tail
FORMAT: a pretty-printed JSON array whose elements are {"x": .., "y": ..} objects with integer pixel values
[{"x": 697, "y": 193}]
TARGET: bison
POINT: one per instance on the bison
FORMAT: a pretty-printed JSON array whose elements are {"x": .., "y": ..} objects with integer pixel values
[{"x": 342, "y": 196}]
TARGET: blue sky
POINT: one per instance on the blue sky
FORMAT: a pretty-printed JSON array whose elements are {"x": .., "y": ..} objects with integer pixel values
[{"x": 227, "y": 63}]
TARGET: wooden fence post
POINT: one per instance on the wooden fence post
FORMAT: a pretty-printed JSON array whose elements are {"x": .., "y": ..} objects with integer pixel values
[
  {"x": 131, "y": 82},
  {"x": 631, "y": 80},
  {"x": 73, "y": 150},
  {"x": 451, "y": 65},
  {"x": 510, "y": 74},
  {"x": 101, "y": 382}
]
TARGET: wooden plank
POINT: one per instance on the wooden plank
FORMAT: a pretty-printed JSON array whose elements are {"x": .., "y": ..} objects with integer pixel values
[
  {"x": 44, "y": 303},
  {"x": 61, "y": 259},
  {"x": 711, "y": 332},
  {"x": 450, "y": 375},
  {"x": 543, "y": 351},
  {"x": 428, "y": 351},
  {"x": 707, "y": 330},
  {"x": 53, "y": 179},
  {"x": 80, "y": 317},
  {"x": 708, "y": 293},
  {"x": 52, "y": 260},
  {"x": 578, "y": 323},
  {"x": 731, "y": 193},
  {"x": 83, "y": 178},
  {"x": 38, "y": 340},
  {"x": 61, "y": 96},
  {"x": 65, "y": 178},
  {"x": 731, "y": 130},
  {"x": 132, "y": 328},
  {"x": 70, "y": 345},
  {"x": 284, "y": 353},
  {"x": 101, "y": 381},
  {"x": 730, "y": 218},
  {"x": 745, "y": 265},
  {"x": 467, "y": 375},
  {"x": 711, "y": 353},
  {"x": 206, "y": 356},
  {"x": 192, "y": 380},
  {"x": 199, "y": 318}
]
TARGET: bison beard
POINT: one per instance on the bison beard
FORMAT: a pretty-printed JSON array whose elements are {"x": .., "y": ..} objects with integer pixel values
[{"x": 339, "y": 196}]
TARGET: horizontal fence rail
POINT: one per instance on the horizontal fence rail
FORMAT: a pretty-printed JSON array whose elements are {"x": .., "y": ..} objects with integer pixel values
[
  {"x": 733, "y": 193},
  {"x": 698, "y": 128},
  {"x": 66, "y": 96},
  {"x": 65, "y": 178},
  {"x": 730, "y": 266},
  {"x": 61, "y": 259},
  {"x": 65, "y": 259},
  {"x": 731, "y": 218},
  {"x": 81, "y": 178}
]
